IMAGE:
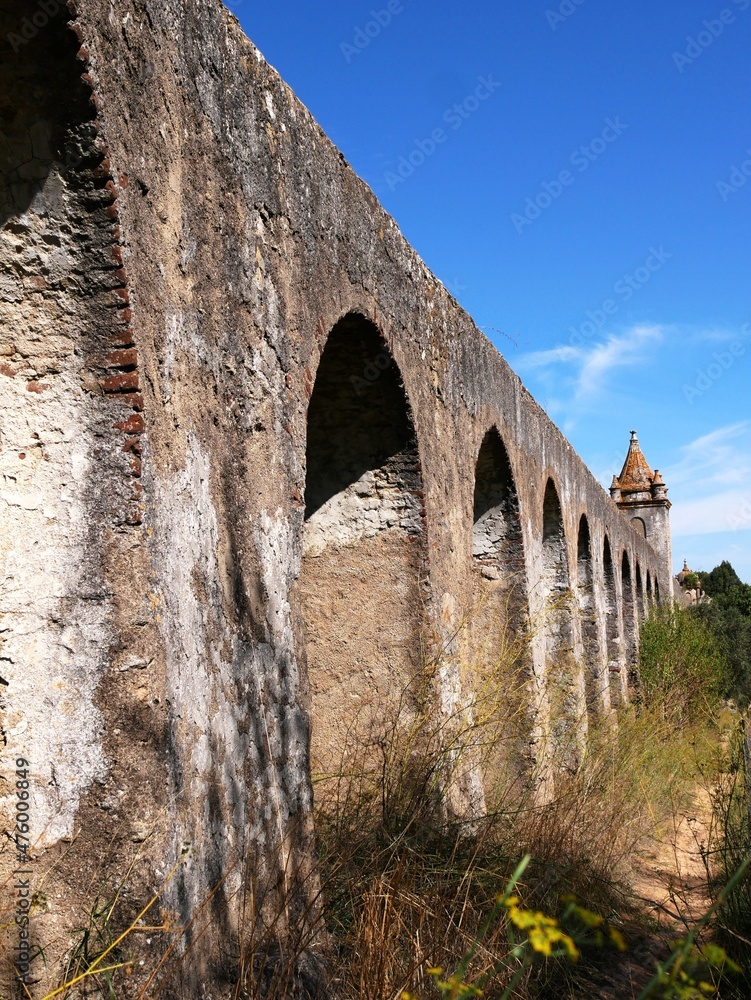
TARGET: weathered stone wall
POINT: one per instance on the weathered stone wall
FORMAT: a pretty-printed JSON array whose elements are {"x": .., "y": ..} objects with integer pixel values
[
  {"x": 179, "y": 242},
  {"x": 76, "y": 625}
]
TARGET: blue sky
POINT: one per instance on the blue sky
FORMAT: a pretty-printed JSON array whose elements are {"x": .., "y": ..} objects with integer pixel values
[{"x": 579, "y": 176}]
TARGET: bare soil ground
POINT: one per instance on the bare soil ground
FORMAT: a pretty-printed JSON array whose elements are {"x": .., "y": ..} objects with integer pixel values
[{"x": 670, "y": 895}]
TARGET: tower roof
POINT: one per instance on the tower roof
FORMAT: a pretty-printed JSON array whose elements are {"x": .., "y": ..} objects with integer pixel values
[{"x": 636, "y": 474}]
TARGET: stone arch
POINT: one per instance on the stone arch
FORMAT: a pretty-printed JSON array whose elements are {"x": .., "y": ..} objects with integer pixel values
[
  {"x": 496, "y": 529},
  {"x": 641, "y": 610},
  {"x": 565, "y": 683},
  {"x": 657, "y": 590},
  {"x": 650, "y": 592},
  {"x": 640, "y": 526},
  {"x": 363, "y": 541},
  {"x": 630, "y": 623},
  {"x": 594, "y": 674},
  {"x": 615, "y": 645},
  {"x": 497, "y": 639},
  {"x": 555, "y": 563}
]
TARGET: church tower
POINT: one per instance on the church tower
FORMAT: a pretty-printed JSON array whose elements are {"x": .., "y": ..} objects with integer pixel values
[{"x": 643, "y": 496}]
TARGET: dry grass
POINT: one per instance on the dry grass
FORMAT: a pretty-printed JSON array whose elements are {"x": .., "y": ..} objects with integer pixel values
[
  {"x": 409, "y": 868},
  {"x": 407, "y": 883}
]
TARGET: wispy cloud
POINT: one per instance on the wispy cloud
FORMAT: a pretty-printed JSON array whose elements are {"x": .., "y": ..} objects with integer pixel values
[
  {"x": 727, "y": 511},
  {"x": 597, "y": 384},
  {"x": 544, "y": 359},
  {"x": 590, "y": 366},
  {"x": 617, "y": 352},
  {"x": 711, "y": 483},
  {"x": 712, "y": 335},
  {"x": 720, "y": 458}
]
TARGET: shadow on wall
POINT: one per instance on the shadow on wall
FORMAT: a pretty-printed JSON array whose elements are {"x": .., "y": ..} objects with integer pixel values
[
  {"x": 363, "y": 546},
  {"x": 618, "y": 691},
  {"x": 497, "y": 641},
  {"x": 630, "y": 626},
  {"x": 359, "y": 430},
  {"x": 47, "y": 129},
  {"x": 564, "y": 675},
  {"x": 595, "y": 674}
]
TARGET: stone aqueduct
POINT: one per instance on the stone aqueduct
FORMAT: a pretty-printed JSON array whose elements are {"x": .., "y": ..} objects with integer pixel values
[{"x": 253, "y": 453}]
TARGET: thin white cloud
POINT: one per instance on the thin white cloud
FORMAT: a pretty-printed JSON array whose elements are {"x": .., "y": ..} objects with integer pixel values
[
  {"x": 590, "y": 364},
  {"x": 716, "y": 335},
  {"x": 544, "y": 359},
  {"x": 720, "y": 458},
  {"x": 617, "y": 352},
  {"x": 711, "y": 484},
  {"x": 729, "y": 511}
]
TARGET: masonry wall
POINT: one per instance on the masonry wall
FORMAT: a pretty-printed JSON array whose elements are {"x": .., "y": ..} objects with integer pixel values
[{"x": 189, "y": 586}]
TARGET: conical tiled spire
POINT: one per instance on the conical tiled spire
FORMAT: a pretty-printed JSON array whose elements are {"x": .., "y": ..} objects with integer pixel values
[
  {"x": 636, "y": 474},
  {"x": 642, "y": 495}
]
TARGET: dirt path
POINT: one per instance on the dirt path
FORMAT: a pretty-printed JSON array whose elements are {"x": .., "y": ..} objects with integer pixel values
[
  {"x": 670, "y": 896},
  {"x": 673, "y": 883}
]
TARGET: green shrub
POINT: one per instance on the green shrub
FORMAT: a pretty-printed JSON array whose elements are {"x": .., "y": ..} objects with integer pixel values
[
  {"x": 683, "y": 668},
  {"x": 728, "y": 849}
]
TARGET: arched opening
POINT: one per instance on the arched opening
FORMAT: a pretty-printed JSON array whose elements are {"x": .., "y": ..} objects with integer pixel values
[
  {"x": 641, "y": 608},
  {"x": 555, "y": 566},
  {"x": 498, "y": 643},
  {"x": 362, "y": 543},
  {"x": 565, "y": 683},
  {"x": 594, "y": 674},
  {"x": 362, "y": 470},
  {"x": 657, "y": 591},
  {"x": 615, "y": 646},
  {"x": 650, "y": 592},
  {"x": 496, "y": 531},
  {"x": 630, "y": 625},
  {"x": 639, "y": 525}
]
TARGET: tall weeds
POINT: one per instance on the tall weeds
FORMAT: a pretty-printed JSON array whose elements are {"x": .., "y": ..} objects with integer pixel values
[
  {"x": 407, "y": 883},
  {"x": 728, "y": 848},
  {"x": 410, "y": 869}
]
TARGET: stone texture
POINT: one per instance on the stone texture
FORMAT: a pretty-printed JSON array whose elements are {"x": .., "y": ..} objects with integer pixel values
[{"x": 189, "y": 585}]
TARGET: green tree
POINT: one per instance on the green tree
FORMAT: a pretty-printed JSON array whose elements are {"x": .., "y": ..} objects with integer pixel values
[
  {"x": 720, "y": 580},
  {"x": 733, "y": 630},
  {"x": 729, "y": 615},
  {"x": 682, "y": 664}
]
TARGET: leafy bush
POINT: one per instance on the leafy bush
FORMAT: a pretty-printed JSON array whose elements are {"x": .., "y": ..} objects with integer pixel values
[
  {"x": 682, "y": 664},
  {"x": 728, "y": 849},
  {"x": 729, "y": 615}
]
